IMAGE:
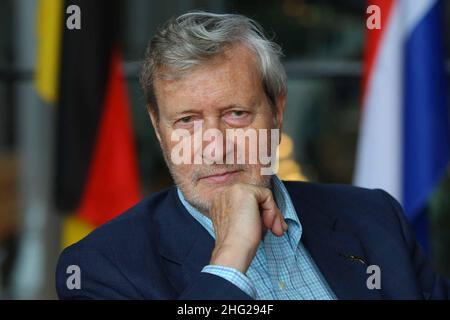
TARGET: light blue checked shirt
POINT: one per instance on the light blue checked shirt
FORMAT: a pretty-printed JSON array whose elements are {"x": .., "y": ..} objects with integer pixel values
[{"x": 282, "y": 268}]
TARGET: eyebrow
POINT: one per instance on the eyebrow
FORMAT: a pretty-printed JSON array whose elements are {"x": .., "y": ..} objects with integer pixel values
[
  {"x": 196, "y": 111},
  {"x": 178, "y": 113}
]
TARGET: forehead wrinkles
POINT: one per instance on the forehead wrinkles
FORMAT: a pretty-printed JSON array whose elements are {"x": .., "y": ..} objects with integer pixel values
[{"x": 233, "y": 70}]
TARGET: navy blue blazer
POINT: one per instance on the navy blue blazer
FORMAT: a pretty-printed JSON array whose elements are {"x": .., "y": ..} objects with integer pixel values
[{"x": 156, "y": 250}]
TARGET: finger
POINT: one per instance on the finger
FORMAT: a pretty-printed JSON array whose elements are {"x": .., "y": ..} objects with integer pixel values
[
  {"x": 279, "y": 226},
  {"x": 267, "y": 205},
  {"x": 271, "y": 215}
]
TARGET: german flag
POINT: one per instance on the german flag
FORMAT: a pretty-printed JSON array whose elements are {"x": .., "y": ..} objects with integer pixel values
[{"x": 96, "y": 163}]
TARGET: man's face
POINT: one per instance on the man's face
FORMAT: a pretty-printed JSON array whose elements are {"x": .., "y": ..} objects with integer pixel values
[{"x": 224, "y": 93}]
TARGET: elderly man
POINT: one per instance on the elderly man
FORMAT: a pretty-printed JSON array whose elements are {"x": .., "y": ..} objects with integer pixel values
[{"x": 228, "y": 230}]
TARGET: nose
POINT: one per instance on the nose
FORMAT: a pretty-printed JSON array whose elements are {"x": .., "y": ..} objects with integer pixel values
[{"x": 214, "y": 145}]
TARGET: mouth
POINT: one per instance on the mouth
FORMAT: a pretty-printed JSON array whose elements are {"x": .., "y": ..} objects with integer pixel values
[{"x": 220, "y": 177}]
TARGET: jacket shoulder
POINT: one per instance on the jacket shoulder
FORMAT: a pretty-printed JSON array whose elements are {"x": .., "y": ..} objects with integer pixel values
[
  {"x": 114, "y": 249},
  {"x": 355, "y": 205},
  {"x": 134, "y": 222}
]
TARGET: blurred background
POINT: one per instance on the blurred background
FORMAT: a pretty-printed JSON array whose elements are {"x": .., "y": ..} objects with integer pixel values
[{"x": 76, "y": 144}]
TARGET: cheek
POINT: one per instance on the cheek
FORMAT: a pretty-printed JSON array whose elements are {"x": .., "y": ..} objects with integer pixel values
[
  {"x": 184, "y": 172},
  {"x": 267, "y": 122},
  {"x": 265, "y": 118}
]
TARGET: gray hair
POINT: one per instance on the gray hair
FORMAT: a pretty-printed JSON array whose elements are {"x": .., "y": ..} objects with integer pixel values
[{"x": 192, "y": 38}]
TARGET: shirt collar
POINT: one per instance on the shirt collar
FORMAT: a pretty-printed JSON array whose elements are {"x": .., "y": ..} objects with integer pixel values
[{"x": 200, "y": 217}]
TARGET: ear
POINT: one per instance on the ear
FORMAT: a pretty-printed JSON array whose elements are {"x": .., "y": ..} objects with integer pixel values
[
  {"x": 155, "y": 121},
  {"x": 279, "y": 109}
]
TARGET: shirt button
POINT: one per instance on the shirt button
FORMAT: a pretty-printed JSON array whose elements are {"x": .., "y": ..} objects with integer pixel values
[{"x": 282, "y": 285}]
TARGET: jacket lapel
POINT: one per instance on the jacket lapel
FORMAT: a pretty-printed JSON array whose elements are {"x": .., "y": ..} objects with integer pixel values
[
  {"x": 184, "y": 244},
  {"x": 336, "y": 251}
]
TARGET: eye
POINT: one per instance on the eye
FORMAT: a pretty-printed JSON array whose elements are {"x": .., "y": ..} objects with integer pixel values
[
  {"x": 238, "y": 118},
  {"x": 186, "y": 119},
  {"x": 238, "y": 113}
]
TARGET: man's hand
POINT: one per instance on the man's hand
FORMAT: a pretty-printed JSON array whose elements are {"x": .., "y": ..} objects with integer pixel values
[{"x": 239, "y": 215}]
